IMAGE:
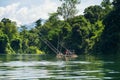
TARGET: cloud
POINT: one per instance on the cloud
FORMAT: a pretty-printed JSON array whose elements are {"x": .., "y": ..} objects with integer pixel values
[
  {"x": 8, "y": 10},
  {"x": 24, "y": 14},
  {"x": 28, "y": 11},
  {"x": 1, "y": 11}
]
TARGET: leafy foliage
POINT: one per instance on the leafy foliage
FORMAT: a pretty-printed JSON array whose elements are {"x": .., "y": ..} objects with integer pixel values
[
  {"x": 110, "y": 39},
  {"x": 16, "y": 45},
  {"x": 3, "y": 43},
  {"x": 97, "y": 30},
  {"x": 93, "y": 13},
  {"x": 68, "y": 8}
]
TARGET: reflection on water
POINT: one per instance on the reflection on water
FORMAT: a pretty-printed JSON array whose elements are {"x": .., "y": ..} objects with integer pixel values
[{"x": 46, "y": 67}]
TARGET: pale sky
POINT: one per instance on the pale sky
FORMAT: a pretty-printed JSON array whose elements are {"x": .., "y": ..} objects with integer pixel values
[{"x": 28, "y": 11}]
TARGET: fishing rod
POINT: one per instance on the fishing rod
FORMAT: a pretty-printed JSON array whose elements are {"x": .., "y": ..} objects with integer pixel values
[
  {"x": 49, "y": 45},
  {"x": 62, "y": 46},
  {"x": 53, "y": 46}
]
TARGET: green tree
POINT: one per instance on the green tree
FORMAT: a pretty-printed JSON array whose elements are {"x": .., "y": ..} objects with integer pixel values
[
  {"x": 34, "y": 50},
  {"x": 10, "y": 28},
  {"x": 68, "y": 8},
  {"x": 110, "y": 39},
  {"x": 33, "y": 38},
  {"x": 3, "y": 42},
  {"x": 24, "y": 46},
  {"x": 49, "y": 31},
  {"x": 80, "y": 34},
  {"x": 107, "y": 7},
  {"x": 8, "y": 31},
  {"x": 97, "y": 30},
  {"x": 16, "y": 45},
  {"x": 116, "y": 4},
  {"x": 38, "y": 22},
  {"x": 93, "y": 13},
  {"x": 1, "y": 26}
]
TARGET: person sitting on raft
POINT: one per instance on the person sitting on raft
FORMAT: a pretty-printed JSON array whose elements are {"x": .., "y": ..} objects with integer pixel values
[{"x": 68, "y": 52}]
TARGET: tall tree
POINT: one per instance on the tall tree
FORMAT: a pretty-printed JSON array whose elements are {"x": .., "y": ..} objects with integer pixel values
[
  {"x": 107, "y": 6},
  {"x": 68, "y": 8},
  {"x": 110, "y": 40},
  {"x": 16, "y": 45},
  {"x": 93, "y": 13},
  {"x": 10, "y": 28},
  {"x": 3, "y": 42},
  {"x": 38, "y": 22},
  {"x": 116, "y": 4}
]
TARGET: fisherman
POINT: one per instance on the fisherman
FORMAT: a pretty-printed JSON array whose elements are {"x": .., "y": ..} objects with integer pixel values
[{"x": 67, "y": 52}]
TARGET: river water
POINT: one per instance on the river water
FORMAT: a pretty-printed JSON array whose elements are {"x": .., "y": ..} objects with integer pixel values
[{"x": 48, "y": 67}]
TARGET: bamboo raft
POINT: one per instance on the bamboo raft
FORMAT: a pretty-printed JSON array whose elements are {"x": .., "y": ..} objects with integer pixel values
[
  {"x": 68, "y": 56},
  {"x": 68, "y": 53}
]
